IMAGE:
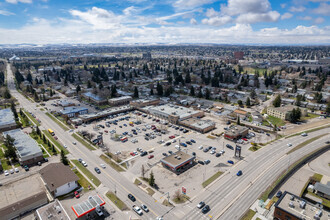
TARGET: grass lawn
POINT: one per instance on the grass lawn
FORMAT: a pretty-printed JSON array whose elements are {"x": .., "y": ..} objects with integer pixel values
[
  {"x": 111, "y": 163},
  {"x": 254, "y": 148},
  {"x": 265, "y": 123},
  {"x": 31, "y": 118},
  {"x": 276, "y": 121},
  {"x": 4, "y": 161},
  {"x": 248, "y": 215},
  {"x": 120, "y": 204},
  {"x": 303, "y": 144},
  {"x": 39, "y": 141},
  {"x": 309, "y": 116},
  {"x": 25, "y": 121},
  {"x": 137, "y": 182},
  {"x": 65, "y": 128},
  {"x": 150, "y": 191},
  {"x": 55, "y": 142},
  {"x": 211, "y": 179},
  {"x": 317, "y": 177},
  {"x": 90, "y": 176},
  {"x": 181, "y": 199},
  {"x": 166, "y": 203},
  {"x": 83, "y": 142},
  {"x": 83, "y": 181}
]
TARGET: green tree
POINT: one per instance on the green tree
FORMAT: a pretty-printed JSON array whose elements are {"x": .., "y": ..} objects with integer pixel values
[
  {"x": 207, "y": 93},
  {"x": 89, "y": 84},
  {"x": 78, "y": 89},
  {"x": 151, "y": 179},
  {"x": 64, "y": 159},
  {"x": 188, "y": 79},
  {"x": 136, "y": 92},
  {"x": 253, "y": 94},
  {"x": 159, "y": 89},
  {"x": 13, "y": 109},
  {"x": 238, "y": 120},
  {"x": 277, "y": 101},
  {"x": 248, "y": 102},
  {"x": 328, "y": 108},
  {"x": 294, "y": 115},
  {"x": 240, "y": 103},
  {"x": 10, "y": 152},
  {"x": 7, "y": 94},
  {"x": 192, "y": 91}
]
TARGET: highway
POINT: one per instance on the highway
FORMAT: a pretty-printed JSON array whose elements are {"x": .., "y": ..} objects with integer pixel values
[
  {"x": 229, "y": 196},
  {"x": 109, "y": 177}
]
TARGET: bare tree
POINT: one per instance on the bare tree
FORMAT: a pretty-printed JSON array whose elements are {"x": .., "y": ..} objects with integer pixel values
[{"x": 142, "y": 171}]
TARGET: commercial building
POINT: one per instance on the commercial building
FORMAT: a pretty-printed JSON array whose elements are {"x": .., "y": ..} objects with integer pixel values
[
  {"x": 72, "y": 112},
  {"x": 65, "y": 103},
  {"x": 144, "y": 102},
  {"x": 292, "y": 207},
  {"x": 322, "y": 190},
  {"x": 236, "y": 132},
  {"x": 7, "y": 120},
  {"x": 240, "y": 113},
  {"x": 27, "y": 150},
  {"x": 21, "y": 196},
  {"x": 199, "y": 125},
  {"x": 53, "y": 209},
  {"x": 59, "y": 179},
  {"x": 123, "y": 100},
  {"x": 178, "y": 162},
  {"x": 284, "y": 112},
  {"x": 87, "y": 206},
  {"x": 173, "y": 113},
  {"x": 91, "y": 97}
]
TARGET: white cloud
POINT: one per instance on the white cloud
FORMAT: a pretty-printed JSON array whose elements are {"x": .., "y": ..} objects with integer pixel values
[
  {"x": 305, "y": 18},
  {"x": 283, "y": 5},
  {"x": 238, "y": 7},
  {"x": 16, "y": 1},
  {"x": 297, "y": 9},
  {"x": 323, "y": 9},
  {"x": 217, "y": 21},
  {"x": 319, "y": 20},
  {"x": 211, "y": 13},
  {"x": 286, "y": 15},
  {"x": 6, "y": 13},
  {"x": 190, "y": 4},
  {"x": 250, "y": 18},
  {"x": 193, "y": 21}
]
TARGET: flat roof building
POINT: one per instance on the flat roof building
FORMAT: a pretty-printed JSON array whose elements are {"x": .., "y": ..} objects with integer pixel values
[
  {"x": 7, "y": 120},
  {"x": 72, "y": 112},
  {"x": 236, "y": 132},
  {"x": 178, "y": 162},
  {"x": 88, "y": 205},
  {"x": 144, "y": 102},
  {"x": 21, "y": 196},
  {"x": 94, "y": 98},
  {"x": 199, "y": 125},
  {"x": 65, "y": 103},
  {"x": 123, "y": 100},
  {"x": 53, "y": 209},
  {"x": 284, "y": 112},
  {"x": 292, "y": 207},
  {"x": 27, "y": 149},
  {"x": 173, "y": 113}
]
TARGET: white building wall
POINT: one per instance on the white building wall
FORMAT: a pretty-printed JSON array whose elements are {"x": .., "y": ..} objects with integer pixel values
[{"x": 66, "y": 188}]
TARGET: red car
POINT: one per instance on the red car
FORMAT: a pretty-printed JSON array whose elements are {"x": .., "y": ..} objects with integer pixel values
[
  {"x": 171, "y": 137},
  {"x": 105, "y": 131},
  {"x": 76, "y": 194},
  {"x": 244, "y": 139},
  {"x": 132, "y": 154},
  {"x": 151, "y": 156}
]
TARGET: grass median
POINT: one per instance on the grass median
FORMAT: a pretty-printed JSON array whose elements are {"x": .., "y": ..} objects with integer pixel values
[
  {"x": 83, "y": 181},
  {"x": 111, "y": 163},
  {"x": 248, "y": 215},
  {"x": 303, "y": 144},
  {"x": 58, "y": 145},
  {"x": 65, "y": 128},
  {"x": 32, "y": 118},
  {"x": 90, "y": 176},
  {"x": 83, "y": 142},
  {"x": 120, "y": 204},
  {"x": 211, "y": 179}
]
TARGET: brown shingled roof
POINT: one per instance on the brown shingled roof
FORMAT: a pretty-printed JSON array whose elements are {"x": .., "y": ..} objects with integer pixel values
[{"x": 56, "y": 175}]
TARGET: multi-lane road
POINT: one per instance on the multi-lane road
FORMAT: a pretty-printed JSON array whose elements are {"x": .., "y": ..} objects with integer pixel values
[{"x": 229, "y": 197}]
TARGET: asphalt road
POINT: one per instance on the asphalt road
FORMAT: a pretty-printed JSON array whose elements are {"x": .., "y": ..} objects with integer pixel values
[{"x": 229, "y": 197}]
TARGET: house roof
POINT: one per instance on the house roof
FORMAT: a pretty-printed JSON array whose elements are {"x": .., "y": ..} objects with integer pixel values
[{"x": 56, "y": 175}]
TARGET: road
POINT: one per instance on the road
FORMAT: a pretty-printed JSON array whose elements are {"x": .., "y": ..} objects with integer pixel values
[
  {"x": 229, "y": 197},
  {"x": 109, "y": 177}
]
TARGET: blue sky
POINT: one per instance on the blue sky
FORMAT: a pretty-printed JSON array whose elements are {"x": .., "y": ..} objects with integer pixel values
[{"x": 165, "y": 21}]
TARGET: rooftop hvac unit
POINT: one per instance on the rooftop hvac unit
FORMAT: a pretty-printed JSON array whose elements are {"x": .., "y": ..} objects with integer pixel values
[
  {"x": 302, "y": 204},
  {"x": 179, "y": 158},
  {"x": 292, "y": 198},
  {"x": 291, "y": 205}
]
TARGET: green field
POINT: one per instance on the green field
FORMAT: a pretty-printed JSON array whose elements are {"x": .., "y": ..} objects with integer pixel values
[
  {"x": 58, "y": 145},
  {"x": 39, "y": 141},
  {"x": 65, "y": 128},
  {"x": 276, "y": 121},
  {"x": 83, "y": 181},
  {"x": 120, "y": 204},
  {"x": 83, "y": 142},
  {"x": 90, "y": 176}
]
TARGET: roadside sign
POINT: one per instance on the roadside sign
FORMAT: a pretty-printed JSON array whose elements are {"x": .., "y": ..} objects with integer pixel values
[{"x": 184, "y": 190}]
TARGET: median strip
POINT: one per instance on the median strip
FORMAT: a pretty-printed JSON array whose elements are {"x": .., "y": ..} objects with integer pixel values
[
  {"x": 83, "y": 142},
  {"x": 31, "y": 118},
  {"x": 303, "y": 144},
  {"x": 211, "y": 179},
  {"x": 58, "y": 145},
  {"x": 57, "y": 121},
  {"x": 111, "y": 163},
  {"x": 120, "y": 204},
  {"x": 87, "y": 173}
]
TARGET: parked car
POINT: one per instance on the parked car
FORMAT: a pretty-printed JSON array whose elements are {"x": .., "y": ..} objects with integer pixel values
[
  {"x": 193, "y": 141},
  {"x": 102, "y": 165},
  {"x": 144, "y": 208},
  {"x": 137, "y": 210},
  {"x": 206, "y": 150},
  {"x": 217, "y": 154},
  {"x": 143, "y": 153},
  {"x": 16, "y": 170},
  {"x": 168, "y": 144},
  {"x": 188, "y": 142},
  {"x": 239, "y": 173},
  {"x": 194, "y": 154},
  {"x": 131, "y": 197},
  {"x": 201, "y": 162},
  {"x": 170, "y": 152},
  {"x": 304, "y": 134},
  {"x": 150, "y": 156},
  {"x": 206, "y": 209},
  {"x": 201, "y": 205},
  {"x": 76, "y": 194},
  {"x": 6, "y": 172},
  {"x": 230, "y": 161},
  {"x": 229, "y": 146},
  {"x": 207, "y": 161},
  {"x": 289, "y": 144},
  {"x": 279, "y": 194},
  {"x": 165, "y": 154},
  {"x": 26, "y": 168},
  {"x": 84, "y": 163},
  {"x": 200, "y": 147},
  {"x": 97, "y": 170}
]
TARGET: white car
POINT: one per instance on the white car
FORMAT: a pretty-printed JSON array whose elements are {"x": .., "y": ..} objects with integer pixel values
[
  {"x": 16, "y": 170},
  {"x": 145, "y": 208},
  {"x": 200, "y": 147},
  {"x": 173, "y": 141},
  {"x": 84, "y": 163},
  {"x": 304, "y": 134},
  {"x": 222, "y": 152},
  {"x": 102, "y": 165},
  {"x": 65, "y": 146},
  {"x": 6, "y": 172},
  {"x": 137, "y": 209},
  {"x": 212, "y": 152},
  {"x": 289, "y": 144},
  {"x": 11, "y": 171}
]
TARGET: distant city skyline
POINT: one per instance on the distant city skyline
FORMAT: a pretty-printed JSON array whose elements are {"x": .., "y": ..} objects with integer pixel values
[{"x": 264, "y": 22}]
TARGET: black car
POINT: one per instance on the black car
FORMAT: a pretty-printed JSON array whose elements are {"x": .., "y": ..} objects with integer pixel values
[
  {"x": 170, "y": 152},
  {"x": 279, "y": 194},
  {"x": 188, "y": 142},
  {"x": 206, "y": 209},
  {"x": 217, "y": 154},
  {"x": 46, "y": 159},
  {"x": 143, "y": 153},
  {"x": 193, "y": 141},
  {"x": 80, "y": 160},
  {"x": 131, "y": 197},
  {"x": 26, "y": 168},
  {"x": 185, "y": 131},
  {"x": 194, "y": 154},
  {"x": 207, "y": 161},
  {"x": 229, "y": 146},
  {"x": 168, "y": 144},
  {"x": 165, "y": 154},
  {"x": 201, "y": 162},
  {"x": 181, "y": 129},
  {"x": 97, "y": 170},
  {"x": 177, "y": 128}
]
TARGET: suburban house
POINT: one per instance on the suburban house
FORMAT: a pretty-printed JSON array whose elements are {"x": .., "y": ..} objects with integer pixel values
[{"x": 59, "y": 179}]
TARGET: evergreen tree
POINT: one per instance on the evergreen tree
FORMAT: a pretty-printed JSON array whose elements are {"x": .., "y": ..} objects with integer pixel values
[
  {"x": 136, "y": 92},
  {"x": 159, "y": 89},
  {"x": 151, "y": 179},
  {"x": 239, "y": 102},
  {"x": 7, "y": 94},
  {"x": 238, "y": 121},
  {"x": 188, "y": 79},
  {"x": 248, "y": 102},
  {"x": 89, "y": 84},
  {"x": 78, "y": 89},
  {"x": 277, "y": 101},
  {"x": 207, "y": 93},
  {"x": 13, "y": 109},
  {"x": 64, "y": 159},
  {"x": 151, "y": 91},
  {"x": 192, "y": 91}
]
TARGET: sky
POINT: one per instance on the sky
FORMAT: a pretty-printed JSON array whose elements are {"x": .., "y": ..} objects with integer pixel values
[{"x": 257, "y": 22}]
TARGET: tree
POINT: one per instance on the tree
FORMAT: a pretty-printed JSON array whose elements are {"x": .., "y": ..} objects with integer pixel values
[
  {"x": 13, "y": 109},
  {"x": 78, "y": 89},
  {"x": 277, "y": 101},
  {"x": 113, "y": 90},
  {"x": 38, "y": 131},
  {"x": 151, "y": 179},
  {"x": 151, "y": 92},
  {"x": 192, "y": 91},
  {"x": 142, "y": 171},
  {"x": 188, "y": 79},
  {"x": 64, "y": 159},
  {"x": 239, "y": 102},
  {"x": 159, "y": 89},
  {"x": 207, "y": 93},
  {"x": 253, "y": 94},
  {"x": 238, "y": 121},
  {"x": 7, "y": 94},
  {"x": 294, "y": 115},
  {"x": 10, "y": 151},
  {"x": 136, "y": 92},
  {"x": 248, "y": 102},
  {"x": 89, "y": 84}
]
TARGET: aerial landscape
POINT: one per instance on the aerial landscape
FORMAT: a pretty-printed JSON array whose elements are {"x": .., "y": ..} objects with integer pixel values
[{"x": 165, "y": 110}]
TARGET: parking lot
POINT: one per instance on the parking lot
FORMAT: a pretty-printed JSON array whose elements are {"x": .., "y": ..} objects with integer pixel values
[{"x": 146, "y": 140}]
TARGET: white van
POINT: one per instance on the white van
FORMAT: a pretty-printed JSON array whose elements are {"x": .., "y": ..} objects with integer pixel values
[{"x": 84, "y": 163}]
